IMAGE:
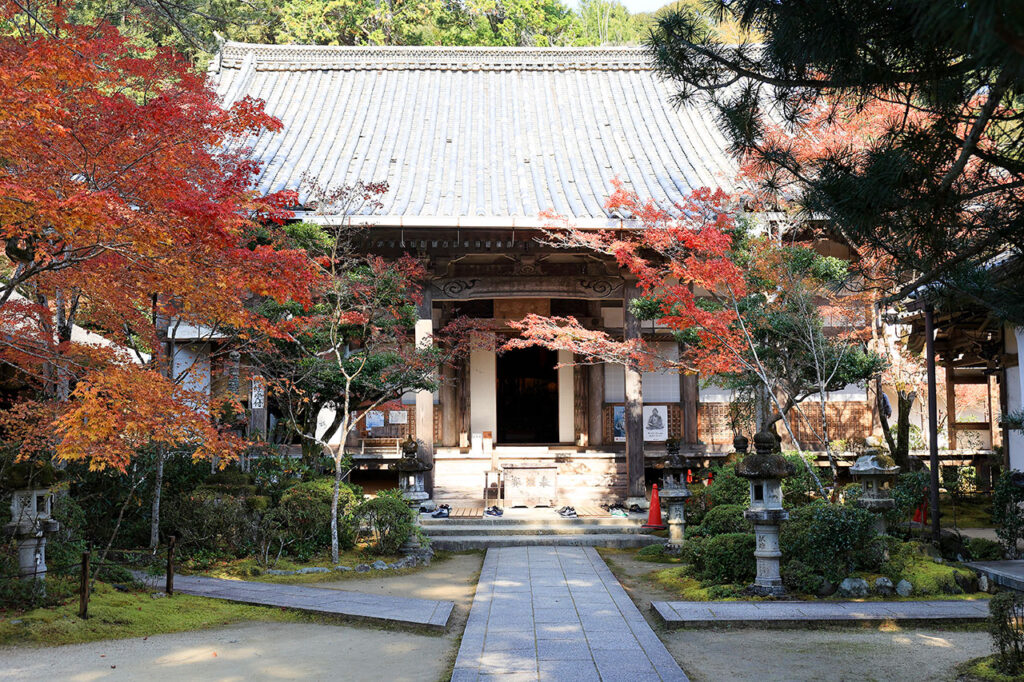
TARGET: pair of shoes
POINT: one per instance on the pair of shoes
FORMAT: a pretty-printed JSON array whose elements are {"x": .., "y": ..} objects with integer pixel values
[
  {"x": 442, "y": 512},
  {"x": 635, "y": 508},
  {"x": 493, "y": 511},
  {"x": 619, "y": 512},
  {"x": 562, "y": 510},
  {"x": 567, "y": 513}
]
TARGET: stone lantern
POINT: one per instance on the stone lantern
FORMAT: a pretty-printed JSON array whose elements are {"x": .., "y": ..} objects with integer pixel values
[
  {"x": 765, "y": 470},
  {"x": 874, "y": 471},
  {"x": 31, "y": 515},
  {"x": 410, "y": 470},
  {"x": 674, "y": 494}
]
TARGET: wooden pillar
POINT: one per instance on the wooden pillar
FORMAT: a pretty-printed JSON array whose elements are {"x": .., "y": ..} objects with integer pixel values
[
  {"x": 595, "y": 405},
  {"x": 580, "y": 401},
  {"x": 449, "y": 407},
  {"x": 636, "y": 489},
  {"x": 689, "y": 393},
  {"x": 424, "y": 333},
  {"x": 595, "y": 388},
  {"x": 951, "y": 402},
  {"x": 462, "y": 402}
]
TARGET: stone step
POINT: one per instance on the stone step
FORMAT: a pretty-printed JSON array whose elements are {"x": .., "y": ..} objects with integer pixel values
[
  {"x": 620, "y": 540},
  {"x": 554, "y": 520},
  {"x": 440, "y": 530}
]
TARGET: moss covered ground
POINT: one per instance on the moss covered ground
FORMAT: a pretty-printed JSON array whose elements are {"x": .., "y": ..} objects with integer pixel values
[
  {"x": 115, "y": 614},
  {"x": 983, "y": 670},
  {"x": 973, "y": 512},
  {"x": 249, "y": 568},
  {"x": 931, "y": 581}
]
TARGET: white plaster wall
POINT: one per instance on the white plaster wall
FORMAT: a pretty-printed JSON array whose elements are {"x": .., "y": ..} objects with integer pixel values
[
  {"x": 658, "y": 387},
  {"x": 483, "y": 378},
  {"x": 192, "y": 361},
  {"x": 566, "y": 416},
  {"x": 323, "y": 420}
]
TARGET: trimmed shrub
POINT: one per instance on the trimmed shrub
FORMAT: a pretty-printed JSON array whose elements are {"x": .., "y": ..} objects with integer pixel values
[
  {"x": 390, "y": 519},
  {"x": 655, "y": 552},
  {"x": 305, "y": 516},
  {"x": 1007, "y": 514},
  {"x": 727, "y": 558},
  {"x": 210, "y": 524},
  {"x": 728, "y": 488},
  {"x": 982, "y": 549},
  {"x": 724, "y": 518},
  {"x": 830, "y": 539},
  {"x": 1006, "y": 625},
  {"x": 799, "y": 577}
]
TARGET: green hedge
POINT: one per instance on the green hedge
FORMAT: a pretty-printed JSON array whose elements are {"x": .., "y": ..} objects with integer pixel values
[
  {"x": 724, "y": 518},
  {"x": 721, "y": 559},
  {"x": 830, "y": 539}
]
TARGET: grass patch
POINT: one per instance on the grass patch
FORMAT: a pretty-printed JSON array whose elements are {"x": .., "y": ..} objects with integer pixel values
[
  {"x": 983, "y": 670},
  {"x": 117, "y": 615}
]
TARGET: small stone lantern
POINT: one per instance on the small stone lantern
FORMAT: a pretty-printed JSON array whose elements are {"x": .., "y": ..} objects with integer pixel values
[
  {"x": 765, "y": 470},
  {"x": 874, "y": 471},
  {"x": 674, "y": 494},
  {"x": 31, "y": 515},
  {"x": 410, "y": 470}
]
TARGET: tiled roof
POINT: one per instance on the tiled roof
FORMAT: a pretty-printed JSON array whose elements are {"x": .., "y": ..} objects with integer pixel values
[{"x": 464, "y": 134}]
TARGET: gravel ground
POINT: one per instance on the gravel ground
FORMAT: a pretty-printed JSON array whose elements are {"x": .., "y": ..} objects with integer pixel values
[
  {"x": 274, "y": 651},
  {"x": 803, "y": 654}
]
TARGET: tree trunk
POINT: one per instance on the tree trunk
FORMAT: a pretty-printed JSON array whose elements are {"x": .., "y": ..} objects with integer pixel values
[
  {"x": 904, "y": 402},
  {"x": 158, "y": 485},
  {"x": 334, "y": 506}
]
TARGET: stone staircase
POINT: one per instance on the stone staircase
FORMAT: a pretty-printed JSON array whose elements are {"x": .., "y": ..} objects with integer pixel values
[{"x": 455, "y": 534}]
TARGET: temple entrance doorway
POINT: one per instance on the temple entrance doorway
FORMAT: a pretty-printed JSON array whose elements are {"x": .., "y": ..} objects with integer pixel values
[{"x": 527, "y": 396}]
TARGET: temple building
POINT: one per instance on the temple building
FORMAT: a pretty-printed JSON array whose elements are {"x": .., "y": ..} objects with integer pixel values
[{"x": 475, "y": 143}]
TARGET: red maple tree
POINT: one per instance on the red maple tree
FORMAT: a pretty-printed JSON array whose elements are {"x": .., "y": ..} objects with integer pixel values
[{"x": 126, "y": 199}]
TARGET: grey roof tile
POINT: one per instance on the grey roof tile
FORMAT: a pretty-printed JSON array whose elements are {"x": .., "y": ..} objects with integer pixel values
[{"x": 475, "y": 132}]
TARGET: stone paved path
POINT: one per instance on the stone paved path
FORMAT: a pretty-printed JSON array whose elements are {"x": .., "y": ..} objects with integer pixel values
[
  {"x": 557, "y": 613},
  {"x": 679, "y": 614},
  {"x": 380, "y": 608}
]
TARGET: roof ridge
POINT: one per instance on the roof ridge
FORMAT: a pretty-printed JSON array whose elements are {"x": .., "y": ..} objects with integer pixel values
[{"x": 430, "y": 57}]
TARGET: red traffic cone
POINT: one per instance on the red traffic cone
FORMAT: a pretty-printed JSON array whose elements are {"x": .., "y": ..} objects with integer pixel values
[{"x": 654, "y": 515}]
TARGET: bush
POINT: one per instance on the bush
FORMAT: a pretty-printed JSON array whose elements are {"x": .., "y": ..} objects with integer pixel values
[
  {"x": 1006, "y": 625},
  {"x": 210, "y": 524},
  {"x": 305, "y": 517},
  {"x": 390, "y": 519},
  {"x": 726, "y": 558},
  {"x": 1007, "y": 513},
  {"x": 727, "y": 488},
  {"x": 982, "y": 549},
  {"x": 829, "y": 538},
  {"x": 801, "y": 578},
  {"x": 273, "y": 473},
  {"x": 651, "y": 552},
  {"x": 724, "y": 518}
]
